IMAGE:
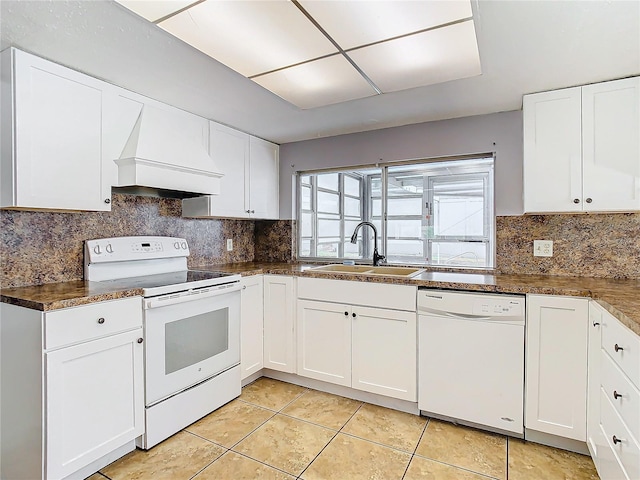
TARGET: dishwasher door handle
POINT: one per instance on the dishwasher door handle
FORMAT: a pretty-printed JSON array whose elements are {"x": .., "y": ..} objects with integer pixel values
[{"x": 461, "y": 316}]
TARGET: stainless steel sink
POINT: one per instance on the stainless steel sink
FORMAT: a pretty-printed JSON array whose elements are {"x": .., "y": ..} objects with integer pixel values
[{"x": 406, "y": 272}]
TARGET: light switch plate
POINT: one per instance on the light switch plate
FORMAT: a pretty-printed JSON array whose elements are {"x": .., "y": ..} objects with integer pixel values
[
  {"x": 543, "y": 248},
  {"x": 229, "y": 244}
]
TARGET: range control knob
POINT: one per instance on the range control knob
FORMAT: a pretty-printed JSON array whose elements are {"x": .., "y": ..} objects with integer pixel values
[
  {"x": 184, "y": 245},
  {"x": 176, "y": 245},
  {"x": 109, "y": 248},
  {"x": 97, "y": 250}
]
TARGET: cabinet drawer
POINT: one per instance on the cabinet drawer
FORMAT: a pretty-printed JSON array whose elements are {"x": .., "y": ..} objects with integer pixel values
[
  {"x": 623, "y": 346},
  {"x": 609, "y": 467},
  {"x": 626, "y": 448},
  {"x": 622, "y": 394},
  {"x": 80, "y": 324}
]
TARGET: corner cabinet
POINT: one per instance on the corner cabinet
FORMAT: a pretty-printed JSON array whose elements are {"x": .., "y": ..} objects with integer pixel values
[
  {"x": 556, "y": 366},
  {"x": 279, "y": 323},
  {"x": 582, "y": 148},
  {"x": 51, "y": 137},
  {"x": 251, "y": 325},
  {"x": 249, "y": 188},
  {"x": 72, "y": 388}
]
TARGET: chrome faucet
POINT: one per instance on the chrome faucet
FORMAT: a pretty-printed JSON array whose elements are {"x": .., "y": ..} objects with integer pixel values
[{"x": 354, "y": 238}]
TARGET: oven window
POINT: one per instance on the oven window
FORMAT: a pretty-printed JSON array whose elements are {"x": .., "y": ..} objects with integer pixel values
[{"x": 191, "y": 340}]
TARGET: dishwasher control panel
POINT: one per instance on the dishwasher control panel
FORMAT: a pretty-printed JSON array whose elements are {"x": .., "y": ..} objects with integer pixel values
[{"x": 467, "y": 304}]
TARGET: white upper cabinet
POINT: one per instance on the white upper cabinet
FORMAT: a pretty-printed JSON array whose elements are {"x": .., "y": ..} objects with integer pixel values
[
  {"x": 263, "y": 179},
  {"x": 51, "y": 137},
  {"x": 611, "y": 145},
  {"x": 582, "y": 148},
  {"x": 249, "y": 188}
]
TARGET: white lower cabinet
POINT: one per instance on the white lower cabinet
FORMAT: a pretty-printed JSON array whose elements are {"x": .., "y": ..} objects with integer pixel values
[
  {"x": 279, "y": 323},
  {"x": 614, "y": 396},
  {"x": 556, "y": 366},
  {"x": 70, "y": 401},
  {"x": 251, "y": 325},
  {"x": 384, "y": 356},
  {"x": 94, "y": 400},
  {"x": 324, "y": 341},
  {"x": 366, "y": 348}
]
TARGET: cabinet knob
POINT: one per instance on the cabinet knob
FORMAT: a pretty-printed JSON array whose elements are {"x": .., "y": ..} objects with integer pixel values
[
  {"x": 616, "y": 395},
  {"x": 140, "y": 340},
  {"x": 576, "y": 200},
  {"x": 616, "y": 440},
  {"x": 588, "y": 200},
  {"x": 617, "y": 347},
  {"x": 101, "y": 320},
  {"x": 353, "y": 315},
  {"x": 595, "y": 324},
  {"x": 346, "y": 314},
  {"x": 244, "y": 287},
  {"x": 253, "y": 211},
  {"x": 248, "y": 211},
  {"x": 107, "y": 200}
]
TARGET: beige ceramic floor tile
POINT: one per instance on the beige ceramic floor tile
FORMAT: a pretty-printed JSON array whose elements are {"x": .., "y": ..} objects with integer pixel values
[
  {"x": 285, "y": 443},
  {"x": 231, "y": 423},
  {"x": 529, "y": 460},
  {"x": 324, "y": 409},
  {"x": 270, "y": 393},
  {"x": 354, "y": 459},
  {"x": 178, "y": 457},
  {"x": 389, "y": 427},
  {"x": 232, "y": 466},
  {"x": 468, "y": 448},
  {"x": 425, "y": 469}
]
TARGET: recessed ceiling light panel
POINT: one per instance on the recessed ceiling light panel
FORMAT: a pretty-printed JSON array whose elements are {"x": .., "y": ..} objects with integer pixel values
[
  {"x": 435, "y": 56},
  {"x": 251, "y": 37},
  {"x": 356, "y": 23},
  {"x": 318, "y": 83},
  {"x": 154, "y": 10}
]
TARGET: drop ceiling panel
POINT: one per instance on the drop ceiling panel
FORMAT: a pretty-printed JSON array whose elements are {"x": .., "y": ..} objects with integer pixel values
[
  {"x": 321, "y": 82},
  {"x": 154, "y": 10},
  {"x": 251, "y": 37},
  {"x": 436, "y": 56},
  {"x": 357, "y": 23}
]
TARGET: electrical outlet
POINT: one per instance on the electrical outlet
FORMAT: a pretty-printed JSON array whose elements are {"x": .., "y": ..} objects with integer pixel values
[
  {"x": 543, "y": 248},
  {"x": 229, "y": 244}
]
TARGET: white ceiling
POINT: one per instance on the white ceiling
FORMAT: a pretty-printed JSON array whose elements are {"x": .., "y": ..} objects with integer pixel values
[{"x": 525, "y": 46}]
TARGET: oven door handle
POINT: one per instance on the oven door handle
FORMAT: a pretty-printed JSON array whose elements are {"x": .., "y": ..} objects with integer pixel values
[{"x": 190, "y": 296}]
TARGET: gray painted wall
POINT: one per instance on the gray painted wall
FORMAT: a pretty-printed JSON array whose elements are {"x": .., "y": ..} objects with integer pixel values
[{"x": 497, "y": 132}]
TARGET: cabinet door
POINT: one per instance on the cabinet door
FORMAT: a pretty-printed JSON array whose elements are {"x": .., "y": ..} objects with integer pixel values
[
  {"x": 279, "y": 323},
  {"x": 611, "y": 145},
  {"x": 384, "y": 352},
  {"x": 230, "y": 149},
  {"x": 58, "y": 132},
  {"x": 94, "y": 401},
  {"x": 324, "y": 341},
  {"x": 251, "y": 321},
  {"x": 552, "y": 151},
  {"x": 556, "y": 366},
  {"x": 593, "y": 380},
  {"x": 264, "y": 178}
]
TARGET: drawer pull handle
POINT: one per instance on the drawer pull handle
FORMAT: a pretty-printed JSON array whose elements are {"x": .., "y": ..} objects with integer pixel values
[
  {"x": 617, "y": 348},
  {"x": 101, "y": 320},
  {"x": 140, "y": 340},
  {"x": 616, "y": 440},
  {"x": 616, "y": 395}
]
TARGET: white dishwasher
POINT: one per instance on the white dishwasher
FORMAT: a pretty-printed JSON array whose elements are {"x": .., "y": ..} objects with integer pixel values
[{"x": 471, "y": 359}]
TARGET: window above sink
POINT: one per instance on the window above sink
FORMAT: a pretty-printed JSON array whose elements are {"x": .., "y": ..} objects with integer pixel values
[{"x": 431, "y": 212}]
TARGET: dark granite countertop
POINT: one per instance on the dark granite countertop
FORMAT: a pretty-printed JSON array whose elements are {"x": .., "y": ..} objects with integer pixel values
[{"x": 620, "y": 297}]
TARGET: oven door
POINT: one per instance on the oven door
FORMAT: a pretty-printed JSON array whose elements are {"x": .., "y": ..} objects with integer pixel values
[{"x": 190, "y": 337}]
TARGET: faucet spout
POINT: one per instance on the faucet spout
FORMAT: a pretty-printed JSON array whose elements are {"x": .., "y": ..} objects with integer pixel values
[{"x": 377, "y": 258}]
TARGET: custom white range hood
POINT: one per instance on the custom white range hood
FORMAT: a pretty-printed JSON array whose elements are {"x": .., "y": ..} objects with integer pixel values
[{"x": 165, "y": 152}]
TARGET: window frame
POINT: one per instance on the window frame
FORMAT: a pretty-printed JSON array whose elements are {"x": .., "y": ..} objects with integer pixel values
[{"x": 366, "y": 209}]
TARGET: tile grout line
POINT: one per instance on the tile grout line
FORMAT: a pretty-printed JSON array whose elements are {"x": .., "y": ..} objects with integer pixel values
[
  {"x": 331, "y": 440},
  {"x": 416, "y": 448},
  {"x": 262, "y": 463},
  {"x": 211, "y": 462}
]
